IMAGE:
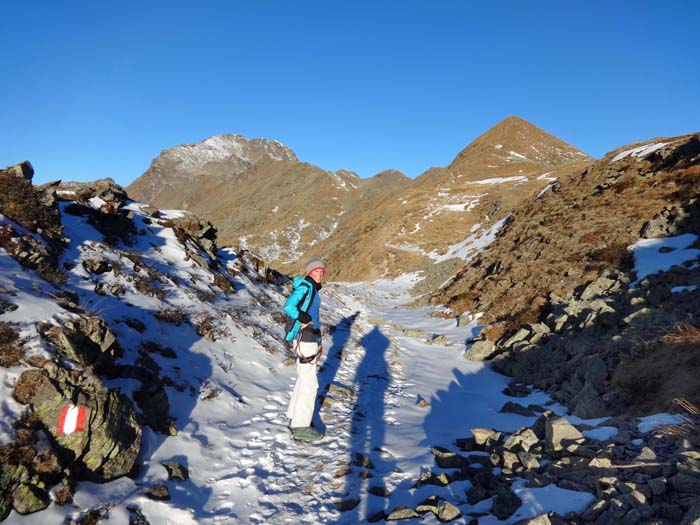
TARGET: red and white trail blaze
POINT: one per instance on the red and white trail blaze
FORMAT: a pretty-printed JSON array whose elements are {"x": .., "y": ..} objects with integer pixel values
[{"x": 72, "y": 419}]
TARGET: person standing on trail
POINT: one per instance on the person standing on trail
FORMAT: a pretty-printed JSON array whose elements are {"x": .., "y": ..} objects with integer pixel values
[{"x": 302, "y": 307}]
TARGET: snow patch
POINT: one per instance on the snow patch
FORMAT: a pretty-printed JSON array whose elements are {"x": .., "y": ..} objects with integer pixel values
[{"x": 639, "y": 152}]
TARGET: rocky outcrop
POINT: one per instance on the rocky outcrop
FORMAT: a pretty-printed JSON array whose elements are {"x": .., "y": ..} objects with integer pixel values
[{"x": 108, "y": 443}]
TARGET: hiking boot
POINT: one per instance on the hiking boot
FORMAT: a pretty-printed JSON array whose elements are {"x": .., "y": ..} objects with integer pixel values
[{"x": 306, "y": 434}]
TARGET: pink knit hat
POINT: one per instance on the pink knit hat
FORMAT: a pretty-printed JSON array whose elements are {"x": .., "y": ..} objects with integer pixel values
[{"x": 313, "y": 264}]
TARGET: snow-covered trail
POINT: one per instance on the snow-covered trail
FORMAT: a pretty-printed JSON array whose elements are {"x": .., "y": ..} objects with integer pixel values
[{"x": 385, "y": 399}]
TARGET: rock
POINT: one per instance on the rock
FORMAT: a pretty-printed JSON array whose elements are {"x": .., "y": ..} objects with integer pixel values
[
  {"x": 689, "y": 463},
  {"x": 380, "y": 491},
  {"x": 480, "y": 350},
  {"x": 447, "y": 459},
  {"x": 692, "y": 517},
  {"x": 515, "y": 389},
  {"x": 108, "y": 446},
  {"x": 529, "y": 461},
  {"x": 402, "y": 513},
  {"x": 523, "y": 439},
  {"x": 485, "y": 436},
  {"x": 448, "y": 512},
  {"x": 657, "y": 486},
  {"x": 86, "y": 342},
  {"x": 429, "y": 505},
  {"x": 510, "y": 460},
  {"x": 551, "y": 518},
  {"x": 347, "y": 504},
  {"x": 588, "y": 404},
  {"x": 176, "y": 472},
  {"x": 520, "y": 335},
  {"x": 594, "y": 510},
  {"x": 685, "y": 483},
  {"x": 27, "y": 498},
  {"x": 158, "y": 492},
  {"x": 558, "y": 431},
  {"x": 438, "y": 339},
  {"x": 505, "y": 503},
  {"x": 97, "y": 266},
  {"x": 516, "y": 408}
]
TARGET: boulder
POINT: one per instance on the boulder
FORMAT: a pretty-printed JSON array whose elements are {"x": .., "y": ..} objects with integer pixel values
[
  {"x": 522, "y": 440},
  {"x": 692, "y": 517},
  {"x": 448, "y": 512},
  {"x": 480, "y": 350},
  {"x": 505, "y": 503},
  {"x": 108, "y": 444},
  {"x": 559, "y": 432},
  {"x": 485, "y": 436},
  {"x": 516, "y": 408},
  {"x": 402, "y": 513}
]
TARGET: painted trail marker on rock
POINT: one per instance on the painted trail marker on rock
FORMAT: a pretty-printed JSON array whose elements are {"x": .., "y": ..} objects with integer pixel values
[{"x": 72, "y": 419}]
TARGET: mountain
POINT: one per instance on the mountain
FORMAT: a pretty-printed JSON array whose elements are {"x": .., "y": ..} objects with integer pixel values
[
  {"x": 256, "y": 191},
  {"x": 596, "y": 273},
  {"x": 417, "y": 226},
  {"x": 262, "y": 197}
]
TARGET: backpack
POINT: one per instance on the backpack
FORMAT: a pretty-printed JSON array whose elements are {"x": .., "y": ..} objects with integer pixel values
[{"x": 291, "y": 326}]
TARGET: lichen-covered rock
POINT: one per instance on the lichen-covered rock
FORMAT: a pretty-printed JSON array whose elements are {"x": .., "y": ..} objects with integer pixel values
[
  {"x": 110, "y": 441},
  {"x": 28, "y": 498},
  {"x": 86, "y": 342}
]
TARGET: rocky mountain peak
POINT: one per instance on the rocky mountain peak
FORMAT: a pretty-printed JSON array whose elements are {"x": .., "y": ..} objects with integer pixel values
[
  {"x": 236, "y": 151},
  {"x": 515, "y": 140}
]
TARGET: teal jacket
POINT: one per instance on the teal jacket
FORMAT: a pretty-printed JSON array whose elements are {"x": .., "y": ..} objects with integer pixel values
[{"x": 299, "y": 301}]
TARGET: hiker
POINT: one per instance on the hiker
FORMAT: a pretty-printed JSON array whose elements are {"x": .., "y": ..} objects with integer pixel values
[{"x": 302, "y": 307}]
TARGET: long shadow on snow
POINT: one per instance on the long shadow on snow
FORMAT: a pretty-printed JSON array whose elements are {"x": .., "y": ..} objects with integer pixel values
[
  {"x": 368, "y": 462},
  {"x": 326, "y": 377}
]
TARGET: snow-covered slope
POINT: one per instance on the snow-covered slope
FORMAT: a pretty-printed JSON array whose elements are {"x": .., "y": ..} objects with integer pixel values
[{"x": 387, "y": 395}]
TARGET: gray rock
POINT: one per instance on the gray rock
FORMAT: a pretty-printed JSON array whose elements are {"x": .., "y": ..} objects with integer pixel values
[
  {"x": 485, "y": 436},
  {"x": 176, "y": 471},
  {"x": 516, "y": 408},
  {"x": 448, "y": 512},
  {"x": 480, "y": 350},
  {"x": 347, "y": 504},
  {"x": 447, "y": 459},
  {"x": 529, "y": 461},
  {"x": 505, "y": 503},
  {"x": 520, "y": 335},
  {"x": 657, "y": 486},
  {"x": 558, "y": 431},
  {"x": 685, "y": 483},
  {"x": 692, "y": 517},
  {"x": 523, "y": 439},
  {"x": 157, "y": 492},
  {"x": 402, "y": 513},
  {"x": 594, "y": 510},
  {"x": 588, "y": 403}
]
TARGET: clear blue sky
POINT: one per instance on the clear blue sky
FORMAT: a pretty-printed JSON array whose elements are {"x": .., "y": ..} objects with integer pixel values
[{"x": 96, "y": 89}]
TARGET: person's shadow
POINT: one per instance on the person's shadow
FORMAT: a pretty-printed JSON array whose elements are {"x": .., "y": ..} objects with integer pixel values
[
  {"x": 369, "y": 463},
  {"x": 326, "y": 376}
]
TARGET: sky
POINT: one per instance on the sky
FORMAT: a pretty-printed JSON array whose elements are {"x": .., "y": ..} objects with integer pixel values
[{"x": 98, "y": 89}]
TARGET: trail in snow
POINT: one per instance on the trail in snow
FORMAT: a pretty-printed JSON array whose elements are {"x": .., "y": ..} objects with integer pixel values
[{"x": 385, "y": 399}]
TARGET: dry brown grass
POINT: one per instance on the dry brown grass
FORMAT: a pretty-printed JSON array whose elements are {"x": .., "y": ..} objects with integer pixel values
[
  {"x": 11, "y": 347},
  {"x": 690, "y": 428},
  {"x": 660, "y": 371},
  {"x": 682, "y": 333},
  {"x": 175, "y": 316}
]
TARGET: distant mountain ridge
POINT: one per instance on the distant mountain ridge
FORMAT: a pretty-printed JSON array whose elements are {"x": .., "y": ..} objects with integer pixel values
[{"x": 262, "y": 197}]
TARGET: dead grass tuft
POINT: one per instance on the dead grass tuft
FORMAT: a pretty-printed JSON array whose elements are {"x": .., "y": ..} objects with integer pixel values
[
  {"x": 682, "y": 333},
  {"x": 11, "y": 347},
  {"x": 690, "y": 428},
  {"x": 175, "y": 316}
]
